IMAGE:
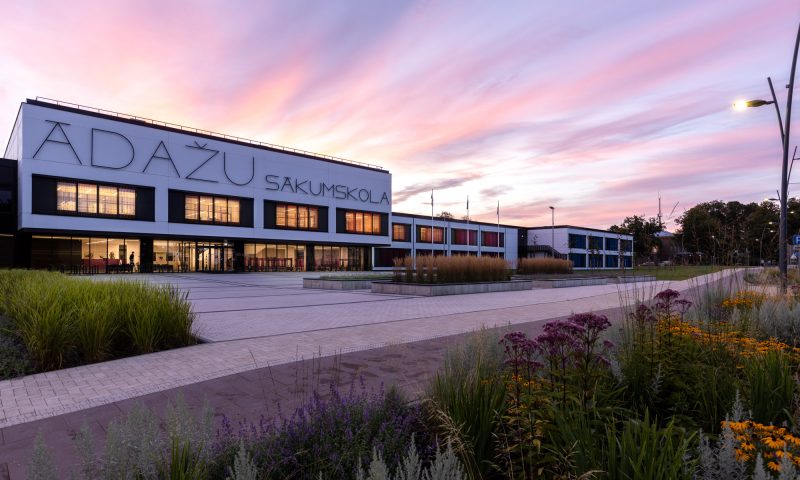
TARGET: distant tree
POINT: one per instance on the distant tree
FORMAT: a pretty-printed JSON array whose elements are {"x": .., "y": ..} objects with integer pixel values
[
  {"x": 644, "y": 233},
  {"x": 445, "y": 215},
  {"x": 730, "y": 232}
]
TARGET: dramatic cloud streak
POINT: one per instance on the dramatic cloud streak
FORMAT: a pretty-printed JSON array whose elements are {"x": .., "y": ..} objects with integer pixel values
[{"x": 591, "y": 107}]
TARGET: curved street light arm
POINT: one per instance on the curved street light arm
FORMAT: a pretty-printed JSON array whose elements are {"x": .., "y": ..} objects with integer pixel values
[{"x": 777, "y": 109}]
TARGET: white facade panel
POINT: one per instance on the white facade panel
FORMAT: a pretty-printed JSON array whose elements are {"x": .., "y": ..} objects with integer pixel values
[{"x": 81, "y": 146}]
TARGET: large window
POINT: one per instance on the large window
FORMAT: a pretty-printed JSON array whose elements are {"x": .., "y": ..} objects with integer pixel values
[
  {"x": 490, "y": 239},
  {"x": 431, "y": 235},
  {"x": 578, "y": 260},
  {"x": 401, "y": 232},
  {"x": 464, "y": 237},
  {"x": 208, "y": 209},
  {"x": 362, "y": 222},
  {"x": 612, "y": 244},
  {"x": 108, "y": 200},
  {"x": 577, "y": 241},
  {"x": 87, "y": 198},
  {"x": 66, "y": 197},
  {"x": 300, "y": 217},
  {"x": 93, "y": 199},
  {"x": 595, "y": 243}
]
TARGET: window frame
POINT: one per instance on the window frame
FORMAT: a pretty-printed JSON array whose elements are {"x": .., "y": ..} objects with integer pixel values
[
  {"x": 306, "y": 217},
  {"x": 93, "y": 199},
  {"x": 363, "y": 222},
  {"x": 220, "y": 206}
]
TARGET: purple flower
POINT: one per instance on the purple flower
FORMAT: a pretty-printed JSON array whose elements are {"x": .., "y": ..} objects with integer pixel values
[
  {"x": 643, "y": 314},
  {"x": 667, "y": 296},
  {"x": 683, "y": 305}
]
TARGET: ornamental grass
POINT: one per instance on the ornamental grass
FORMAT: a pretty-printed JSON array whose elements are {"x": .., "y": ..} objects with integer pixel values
[
  {"x": 65, "y": 321},
  {"x": 452, "y": 269},
  {"x": 533, "y": 266}
]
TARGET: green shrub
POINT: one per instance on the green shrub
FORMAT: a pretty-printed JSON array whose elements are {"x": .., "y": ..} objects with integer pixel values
[
  {"x": 673, "y": 375},
  {"x": 770, "y": 387},
  {"x": 467, "y": 399},
  {"x": 640, "y": 449}
]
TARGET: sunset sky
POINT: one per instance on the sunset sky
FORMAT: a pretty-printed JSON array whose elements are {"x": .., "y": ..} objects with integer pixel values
[{"x": 593, "y": 107}]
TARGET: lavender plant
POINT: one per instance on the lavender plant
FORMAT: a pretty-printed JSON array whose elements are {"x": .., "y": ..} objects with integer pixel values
[{"x": 330, "y": 436}]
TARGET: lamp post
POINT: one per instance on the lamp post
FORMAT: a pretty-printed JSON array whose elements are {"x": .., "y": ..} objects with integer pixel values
[
  {"x": 553, "y": 230},
  {"x": 784, "y": 129}
]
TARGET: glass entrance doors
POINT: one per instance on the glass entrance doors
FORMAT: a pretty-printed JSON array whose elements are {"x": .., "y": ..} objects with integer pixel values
[{"x": 210, "y": 257}]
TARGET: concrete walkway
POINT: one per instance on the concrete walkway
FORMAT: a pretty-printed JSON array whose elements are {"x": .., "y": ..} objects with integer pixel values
[{"x": 262, "y": 320}]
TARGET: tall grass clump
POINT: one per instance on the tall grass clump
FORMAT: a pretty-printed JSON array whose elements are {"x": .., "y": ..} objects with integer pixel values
[
  {"x": 65, "y": 321},
  {"x": 531, "y": 266},
  {"x": 454, "y": 269},
  {"x": 467, "y": 400}
]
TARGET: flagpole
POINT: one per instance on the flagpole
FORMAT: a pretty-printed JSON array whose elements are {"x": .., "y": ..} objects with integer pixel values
[
  {"x": 498, "y": 224},
  {"x": 468, "y": 231},
  {"x": 432, "y": 222}
]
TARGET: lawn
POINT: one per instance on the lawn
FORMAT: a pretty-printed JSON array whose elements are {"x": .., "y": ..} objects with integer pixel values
[{"x": 677, "y": 272}]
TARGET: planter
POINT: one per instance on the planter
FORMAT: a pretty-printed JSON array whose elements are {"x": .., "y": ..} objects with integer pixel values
[
  {"x": 336, "y": 284},
  {"x": 569, "y": 282},
  {"x": 632, "y": 279},
  {"x": 435, "y": 290}
]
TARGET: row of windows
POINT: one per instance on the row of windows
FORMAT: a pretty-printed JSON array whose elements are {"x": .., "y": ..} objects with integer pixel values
[
  {"x": 401, "y": 232},
  {"x": 93, "y": 199},
  {"x": 297, "y": 216},
  {"x": 596, "y": 260},
  {"x": 210, "y": 209},
  {"x": 425, "y": 235},
  {"x": 599, "y": 243},
  {"x": 362, "y": 222}
]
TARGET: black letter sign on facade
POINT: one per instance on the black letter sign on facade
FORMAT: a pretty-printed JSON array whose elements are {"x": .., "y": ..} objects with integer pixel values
[
  {"x": 225, "y": 169},
  {"x": 57, "y": 125},
  {"x": 166, "y": 157},
  {"x": 91, "y": 155},
  {"x": 202, "y": 147}
]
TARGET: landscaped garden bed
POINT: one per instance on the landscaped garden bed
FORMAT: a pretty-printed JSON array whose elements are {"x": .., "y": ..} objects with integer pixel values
[
  {"x": 439, "y": 289},
  {"x": 343, "y": 282},
  {"x": 50, "y": 321},
  {"x": 677, "y": 390}
]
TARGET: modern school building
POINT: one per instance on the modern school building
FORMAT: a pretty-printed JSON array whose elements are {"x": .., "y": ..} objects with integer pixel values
[{"x": 84, "y": 190}]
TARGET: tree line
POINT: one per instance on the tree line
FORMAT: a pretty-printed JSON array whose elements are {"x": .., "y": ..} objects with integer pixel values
[{"x": 713, "y": 232}]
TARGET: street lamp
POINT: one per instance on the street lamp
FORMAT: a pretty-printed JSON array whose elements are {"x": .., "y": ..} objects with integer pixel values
[
  {"x": 553, "y": 230},
  {"x": 784, "y": 128}
]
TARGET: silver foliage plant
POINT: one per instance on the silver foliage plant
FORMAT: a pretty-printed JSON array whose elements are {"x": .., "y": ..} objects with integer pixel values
[
  {"x": 718, "y": 462},
  {"x": 243, "y": 467},
  {"x": 445, "y": 466},
  {"x": 135, "y": 447}
]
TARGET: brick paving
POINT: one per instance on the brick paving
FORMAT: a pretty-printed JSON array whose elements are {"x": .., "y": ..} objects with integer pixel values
[{"x": 251, "y": 335}]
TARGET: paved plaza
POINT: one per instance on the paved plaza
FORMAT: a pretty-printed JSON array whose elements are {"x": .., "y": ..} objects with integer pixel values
[{"x": 269, "y": 342}]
